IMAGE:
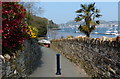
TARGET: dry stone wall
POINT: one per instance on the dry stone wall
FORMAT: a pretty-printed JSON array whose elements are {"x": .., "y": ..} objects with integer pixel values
[
  {"x": 99, "y": 58},
  {"x": 24, "y": 62}
]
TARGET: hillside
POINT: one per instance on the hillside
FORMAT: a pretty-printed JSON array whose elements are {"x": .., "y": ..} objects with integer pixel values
[
  {"x": 52, "y": 25},
  {"x": 41, "y": 24},
  {"x": 78, "y": 23}
]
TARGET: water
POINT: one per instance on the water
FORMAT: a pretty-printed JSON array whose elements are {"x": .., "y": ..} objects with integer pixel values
[{"x": 64, "y": 32}]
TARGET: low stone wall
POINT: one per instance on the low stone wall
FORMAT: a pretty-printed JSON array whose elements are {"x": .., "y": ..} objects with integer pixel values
[
  {"x": 99, "y": 58},
  {"x": 24, "y": 62}
]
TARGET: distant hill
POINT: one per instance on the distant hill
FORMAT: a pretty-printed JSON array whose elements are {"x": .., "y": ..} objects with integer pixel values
[
  {"x": 52, "y": 25},
  {"x": 108, "y": 22},
  {"x": 78, "y": 23}
]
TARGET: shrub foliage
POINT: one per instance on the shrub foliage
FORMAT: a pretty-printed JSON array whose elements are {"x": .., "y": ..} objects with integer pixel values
[{"x": 13, "y": 26}]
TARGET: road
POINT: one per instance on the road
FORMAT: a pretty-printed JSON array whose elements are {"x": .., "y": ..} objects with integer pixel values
[{"x": 47, "y": 66}]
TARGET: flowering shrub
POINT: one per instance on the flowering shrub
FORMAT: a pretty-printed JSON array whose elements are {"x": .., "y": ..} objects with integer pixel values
[
  {"x": 32, "y": 32},
  {"x": 13, "y": 26}
]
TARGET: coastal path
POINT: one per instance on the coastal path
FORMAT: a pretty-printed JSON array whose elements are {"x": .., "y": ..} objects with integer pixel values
[{"x": 47, "y": 66}]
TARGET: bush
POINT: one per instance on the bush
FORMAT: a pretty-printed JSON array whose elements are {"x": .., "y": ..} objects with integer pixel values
[
  {"x": 13, "y": 26},
  {"x": 32, "y": 32}
]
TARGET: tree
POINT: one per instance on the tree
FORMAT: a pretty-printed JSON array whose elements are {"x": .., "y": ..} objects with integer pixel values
[
  {"x": 88, "y": 13},
  {"x": 32, "y": 7},
  {"x": 33, "y": 20},
  {"x": 32, "y": 10}
]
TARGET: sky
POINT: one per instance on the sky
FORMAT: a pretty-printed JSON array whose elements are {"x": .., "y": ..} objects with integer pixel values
[{"x": 62, "y": 12}]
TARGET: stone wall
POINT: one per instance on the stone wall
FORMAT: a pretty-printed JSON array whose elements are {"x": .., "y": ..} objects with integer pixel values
[
  {"x": 99, "y": 58},
  {"x": 24, "y": 62}
]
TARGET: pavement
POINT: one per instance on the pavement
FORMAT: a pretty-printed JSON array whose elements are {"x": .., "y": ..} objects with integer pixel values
[{"x": 47, "y": 66}]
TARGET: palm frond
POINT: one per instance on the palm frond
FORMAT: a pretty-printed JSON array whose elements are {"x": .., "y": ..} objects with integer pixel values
[
  {"x": 83, "y": 28},
  {"x": 98, "y": 15},
  {"x": 84, "y": 6},
  {"x": 94, "y": 4},
  {"x": 98, "y": 22},
  {"x": 91, "y": 7},
  {"x": 77, "y": 19},
  {"x": 97, "y": 11},
  {"x": 92, "y": 28},
  {"x": 79, "y": 11},
  {"x": 81, "y": 15}
]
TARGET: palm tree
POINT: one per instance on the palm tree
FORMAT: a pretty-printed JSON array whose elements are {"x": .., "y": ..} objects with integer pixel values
[{"x": 88, "y": 13}]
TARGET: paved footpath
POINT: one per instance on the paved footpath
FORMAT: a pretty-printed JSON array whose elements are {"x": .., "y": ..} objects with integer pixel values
[{"x": 47, "y": 67}]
